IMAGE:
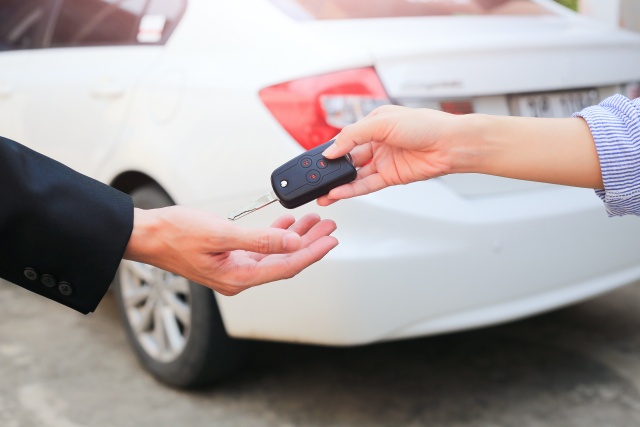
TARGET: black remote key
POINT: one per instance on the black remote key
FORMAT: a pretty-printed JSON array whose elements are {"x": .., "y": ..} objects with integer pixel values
[
  {"x": 303, "y": 179},
  {"x": 309, "y": 176}
]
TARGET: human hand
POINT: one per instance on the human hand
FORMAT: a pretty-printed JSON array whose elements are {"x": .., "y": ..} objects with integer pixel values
[
  {"x": 397, "y": 145},
  {"x": 393, "y": 145},
  {"x": 223, "y": 256}
]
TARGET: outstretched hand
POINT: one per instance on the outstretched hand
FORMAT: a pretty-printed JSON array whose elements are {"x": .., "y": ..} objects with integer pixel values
[{"x": 224, "y": 256}]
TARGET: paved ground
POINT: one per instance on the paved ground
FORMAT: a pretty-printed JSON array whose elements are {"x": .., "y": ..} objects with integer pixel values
[{"x": 575, "y": 367}]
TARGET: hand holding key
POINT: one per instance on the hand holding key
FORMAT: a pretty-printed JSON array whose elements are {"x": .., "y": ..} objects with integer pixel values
[
  {"x": 393, "y": 145},
  {"x": 398, "y": 145}
]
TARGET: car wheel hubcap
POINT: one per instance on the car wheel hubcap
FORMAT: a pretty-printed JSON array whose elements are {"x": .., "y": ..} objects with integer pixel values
[{"x": 158, "y": 307}]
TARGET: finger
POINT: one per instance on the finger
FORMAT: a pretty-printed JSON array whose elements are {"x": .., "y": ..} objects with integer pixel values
[
  {"x": 319, "y": 230},
  {"x": 371, "y": 128},
  {"x": 366, "y": 170},
  {"x": 383, "y": 109},
  {"x": 350, "y": 137},
  {"x": 325, "y": 201},
  {"x": 355, "y": 188},
  {"x": 264, "y": 241},
  {"x": 362, "y": 154},
  {"x": 301, "y": 227},
  {"x": 278, "y": 268},
  {"x": 284, "y": 222},
  {"x": 360, "y": 187},
  {"x": 305, "y": 223}
]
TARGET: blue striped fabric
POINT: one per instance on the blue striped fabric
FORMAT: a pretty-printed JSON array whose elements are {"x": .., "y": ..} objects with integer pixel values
[{"x": 615, "y": 126}]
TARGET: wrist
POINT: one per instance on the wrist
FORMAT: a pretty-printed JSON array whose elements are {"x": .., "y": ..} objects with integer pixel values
[
  {"x": 145, "y": 227},
  {"x": 468, "y": 142}
]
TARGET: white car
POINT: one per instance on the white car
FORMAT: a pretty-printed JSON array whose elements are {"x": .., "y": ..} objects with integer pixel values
[{"x": 196, "y": 102}]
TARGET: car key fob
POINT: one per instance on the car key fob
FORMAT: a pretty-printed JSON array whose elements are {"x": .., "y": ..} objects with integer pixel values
[
  {"x": 309, "y": 176},
  {"x": 303, "y": 179}
]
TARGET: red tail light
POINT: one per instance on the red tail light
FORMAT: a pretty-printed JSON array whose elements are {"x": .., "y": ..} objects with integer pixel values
[
  {"x": 314, "y": 109},
  {"x": 457, "y": 107}
]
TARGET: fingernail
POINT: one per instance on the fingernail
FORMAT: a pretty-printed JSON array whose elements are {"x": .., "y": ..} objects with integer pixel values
[
  {"x": 290, "y": 240},
  {"x": 330, "y": 151}
]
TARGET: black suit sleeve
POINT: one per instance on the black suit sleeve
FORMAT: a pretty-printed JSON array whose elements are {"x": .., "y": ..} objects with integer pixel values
[{"x": 62, "y": 233}]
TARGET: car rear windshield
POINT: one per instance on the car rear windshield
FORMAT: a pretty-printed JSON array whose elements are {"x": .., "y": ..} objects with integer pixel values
[{"x": 357, "y": 9}]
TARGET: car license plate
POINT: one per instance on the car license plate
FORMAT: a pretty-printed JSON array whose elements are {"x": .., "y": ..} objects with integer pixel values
[{"x": 553, "y": 104}]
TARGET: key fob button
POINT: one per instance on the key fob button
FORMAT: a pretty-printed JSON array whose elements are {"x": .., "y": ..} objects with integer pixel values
[
  {"x": 305, "y": 162},
  {"x": 321, "y": 164},
  {"x": 313, "y": 176}
]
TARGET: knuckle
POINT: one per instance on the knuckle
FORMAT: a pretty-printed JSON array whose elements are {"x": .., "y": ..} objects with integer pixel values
[
  {"x": 233, "y": 292},
  {"x": 381, "y": 109},
  {"x": 384, "y": 109},
  {"x": 345, "y": 134},
  {"x": 348, "y": 129},
  {"x": 350, "y": 136},
  {"x": 291, "y": 275},
  {"x": 263, "y": 243},
  {"x": 229, "y": 290},
  {"x": 291, "y": 272}
]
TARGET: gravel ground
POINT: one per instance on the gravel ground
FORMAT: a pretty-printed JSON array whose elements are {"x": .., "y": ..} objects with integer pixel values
[{"x": 575, "y": 367}]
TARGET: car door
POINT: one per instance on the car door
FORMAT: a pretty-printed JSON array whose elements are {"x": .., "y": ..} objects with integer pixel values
[
  {"x": 22, "y": 28},
  {"x": 77, "y": 90}
]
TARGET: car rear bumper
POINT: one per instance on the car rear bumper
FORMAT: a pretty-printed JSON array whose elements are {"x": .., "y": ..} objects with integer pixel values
[{"x": 420, "y": 259}]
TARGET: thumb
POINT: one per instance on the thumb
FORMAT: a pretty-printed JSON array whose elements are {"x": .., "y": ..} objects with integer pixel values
[
  {"x": 372, "y": 128},
  {"x": 344, "y": 142},
  {"x": 268, "y": 241}
]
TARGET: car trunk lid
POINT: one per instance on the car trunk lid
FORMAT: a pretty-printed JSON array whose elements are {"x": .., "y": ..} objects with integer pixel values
[{"x": 422, "y": 61}]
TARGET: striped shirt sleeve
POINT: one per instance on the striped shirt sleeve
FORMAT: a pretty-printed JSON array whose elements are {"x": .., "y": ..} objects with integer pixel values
[{"x": 615, "y": 126}]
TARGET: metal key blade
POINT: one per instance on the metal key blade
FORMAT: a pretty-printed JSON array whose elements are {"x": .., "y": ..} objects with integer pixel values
[{"x": 260, "y": 203}]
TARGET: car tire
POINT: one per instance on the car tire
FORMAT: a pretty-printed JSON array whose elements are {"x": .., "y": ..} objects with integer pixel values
[{"x": 197, "y": 350}]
